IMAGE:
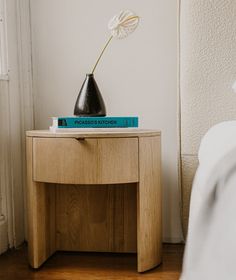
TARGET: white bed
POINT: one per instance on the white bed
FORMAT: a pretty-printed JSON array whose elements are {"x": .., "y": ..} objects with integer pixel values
[{"x": 210, "y": 252}]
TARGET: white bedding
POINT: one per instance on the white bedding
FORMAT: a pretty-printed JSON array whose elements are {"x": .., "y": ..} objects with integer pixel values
[{"x": 210, "y": 252}]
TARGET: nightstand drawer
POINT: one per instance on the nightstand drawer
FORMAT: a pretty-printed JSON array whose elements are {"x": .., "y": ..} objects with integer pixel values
[{"x": 86, "y": 160}]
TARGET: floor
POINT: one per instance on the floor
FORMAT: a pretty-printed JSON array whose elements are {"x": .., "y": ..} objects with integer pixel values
[{"x": 95, "y": 266}]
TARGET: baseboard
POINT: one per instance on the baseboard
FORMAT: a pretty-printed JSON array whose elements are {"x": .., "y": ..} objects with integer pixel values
[
  {"x": 174, "y": 240},
  {"x": 3, "y": 237}
]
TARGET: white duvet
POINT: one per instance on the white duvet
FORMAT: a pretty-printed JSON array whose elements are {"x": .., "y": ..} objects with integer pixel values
[{"x": 210, "y": 252}]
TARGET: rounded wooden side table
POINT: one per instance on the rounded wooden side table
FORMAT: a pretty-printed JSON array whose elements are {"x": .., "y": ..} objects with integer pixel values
[{"x": 94, "y": 190}]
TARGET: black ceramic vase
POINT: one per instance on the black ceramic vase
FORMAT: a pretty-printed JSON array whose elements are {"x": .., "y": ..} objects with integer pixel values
[{"x": 89, "y": 102}]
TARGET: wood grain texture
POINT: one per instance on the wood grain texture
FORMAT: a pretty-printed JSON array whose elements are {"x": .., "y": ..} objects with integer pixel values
[
  {"x": 96, "y": 218},
  {"x": 41, "y": 215},
  {"x": 98, "y": 215},
  {"x": 149, "y": 204},
  {"x": 94, "y": 133},
  {"x": 88, "y": 161}
]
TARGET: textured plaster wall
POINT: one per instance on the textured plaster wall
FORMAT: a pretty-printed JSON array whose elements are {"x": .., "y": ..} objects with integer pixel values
[{"x": 207, "y": 72}]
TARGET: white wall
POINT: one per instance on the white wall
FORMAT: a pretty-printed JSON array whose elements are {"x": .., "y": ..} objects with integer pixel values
[
  {"x": 137, "y": 75},
  {"x": 208, "y": 70}
]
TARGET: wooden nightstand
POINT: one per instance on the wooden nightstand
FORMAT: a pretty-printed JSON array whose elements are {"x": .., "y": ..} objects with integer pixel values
[{"x": 95, "y": 190}]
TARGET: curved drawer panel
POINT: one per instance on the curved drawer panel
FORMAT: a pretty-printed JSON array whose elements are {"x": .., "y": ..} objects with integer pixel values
[{"x": 85, "y": 161}]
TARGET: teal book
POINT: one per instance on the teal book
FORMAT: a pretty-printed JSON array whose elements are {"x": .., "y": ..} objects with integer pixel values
[{"x": 95, "y": 122}]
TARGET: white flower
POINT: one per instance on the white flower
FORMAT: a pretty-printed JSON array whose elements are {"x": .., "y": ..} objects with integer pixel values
[
  {"x": 120, "y": 25},
  {"x": 123, "y": 24}
]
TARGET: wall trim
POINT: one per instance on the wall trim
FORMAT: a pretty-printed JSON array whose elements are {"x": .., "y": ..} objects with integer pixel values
[
  {"x": 6, "y": 206},
  {"x": 3, "y": 39},
  {"x": 25, "y": 82},
  {"x": 3, "y": 235},
  {"x": 4, "y": 77},
  {"x": 20, "y": 110}
]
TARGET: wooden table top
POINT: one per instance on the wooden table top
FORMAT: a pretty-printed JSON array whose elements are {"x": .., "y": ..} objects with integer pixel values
[{"x": 92, "y": 132}]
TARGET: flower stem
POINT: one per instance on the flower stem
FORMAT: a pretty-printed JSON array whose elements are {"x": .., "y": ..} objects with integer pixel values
[{"x": 103, "y": 50}]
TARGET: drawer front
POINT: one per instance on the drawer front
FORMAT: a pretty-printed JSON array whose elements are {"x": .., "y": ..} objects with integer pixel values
[{"x": 85, "y": 161}]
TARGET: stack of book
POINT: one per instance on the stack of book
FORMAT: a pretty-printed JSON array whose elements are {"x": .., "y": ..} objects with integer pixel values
[{"x": 59, "y": 123}]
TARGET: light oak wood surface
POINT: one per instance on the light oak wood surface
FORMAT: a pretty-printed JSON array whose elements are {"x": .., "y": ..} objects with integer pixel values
[
  {"x": 96, "y": 218},
  {"x": 94, "y": 133},
  {"x": 149, "y": 204},
  {"x": 41, "y": 215},
  {"x": 94, "y": 194},
  {"x": 86, "y": 161}
]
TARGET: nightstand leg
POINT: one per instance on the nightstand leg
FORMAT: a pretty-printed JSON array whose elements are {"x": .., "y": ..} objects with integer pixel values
[
  {"x": 41, "y": 216},
  {"x": 149, "y": 226}
]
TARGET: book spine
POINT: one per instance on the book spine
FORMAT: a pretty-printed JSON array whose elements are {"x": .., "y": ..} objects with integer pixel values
[{"x": 119, "y": 122}]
